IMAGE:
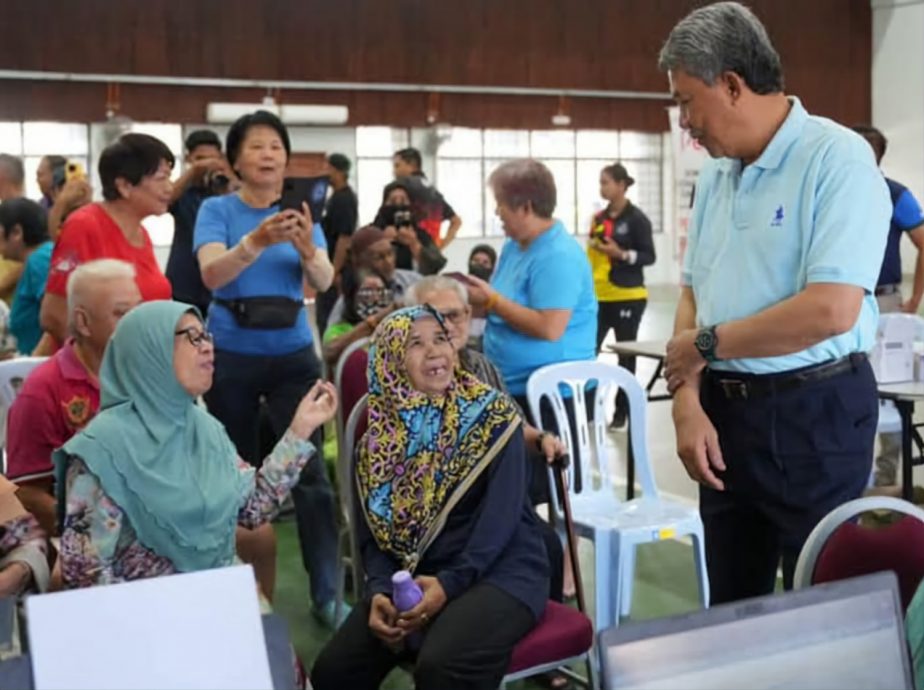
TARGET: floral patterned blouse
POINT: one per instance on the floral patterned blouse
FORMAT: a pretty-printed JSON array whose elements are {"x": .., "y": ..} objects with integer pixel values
[{"x": 99, "y": 545}]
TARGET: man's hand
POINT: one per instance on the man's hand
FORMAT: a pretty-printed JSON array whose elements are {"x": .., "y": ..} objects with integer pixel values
[
  {"x": 434, "y": 599},
  {"x": 697, "y": 441},
  {"x": 683, "y": 361},
  {"x": 911, "y": 306},
  {"x": 552, "y": 448},
  {"x": 382, "y": 618}
]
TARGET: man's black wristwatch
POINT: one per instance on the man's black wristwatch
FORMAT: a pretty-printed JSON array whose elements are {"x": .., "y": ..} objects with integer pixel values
[{"x": 706, "y": 342}]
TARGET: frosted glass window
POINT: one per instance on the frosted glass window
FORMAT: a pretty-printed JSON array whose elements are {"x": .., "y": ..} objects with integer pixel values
[
  {"x": 459, "y": 142},
  {"x": 462, "y": 185},
  {"x": 639, "y": 145},
  {"x": 588, "y": 192},
  {"x": 492, "y": 224},
  {"x": 160, "y": 228},
  {"x": 371, "y": 177},
  {"x": 506, "y": 143},
  {"x": 565, "y": 208},
  {"x": 11, "y": 138},
  {"x": 380, "y": 142},
  {"x": 593, "y": 143},
  {"x": 552, "y": 143},
  {"x": 64, "y": 139}
]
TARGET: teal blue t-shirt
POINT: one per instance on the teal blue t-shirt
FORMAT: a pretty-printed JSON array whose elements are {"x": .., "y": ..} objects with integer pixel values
[
  {"x": 276, "y": 273},
  {"x": 552, "y": 273},
  {"x": 27, "y": 302}
]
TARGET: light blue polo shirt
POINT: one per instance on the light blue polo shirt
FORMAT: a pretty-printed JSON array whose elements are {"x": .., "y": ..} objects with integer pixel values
[
  {"x": 813, "y": 208},
  {"x": 551, "y": 273}
]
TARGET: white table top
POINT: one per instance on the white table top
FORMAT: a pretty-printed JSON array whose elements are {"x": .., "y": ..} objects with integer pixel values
[
  {"x": 656, "y": 349},
  {"x": 906, "y": 390}
]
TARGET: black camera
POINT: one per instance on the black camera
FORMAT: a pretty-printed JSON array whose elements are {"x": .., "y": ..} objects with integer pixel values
[{"x": 216, "y": 182}]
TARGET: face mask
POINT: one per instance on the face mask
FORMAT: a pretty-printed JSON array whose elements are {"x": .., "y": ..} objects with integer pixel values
[
  {"x": 480, "y": 271},
  {"x": 370, "y": 302}
]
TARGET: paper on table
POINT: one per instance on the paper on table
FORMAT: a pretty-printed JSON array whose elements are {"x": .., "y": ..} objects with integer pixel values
[{"x": 191, "y": 631}]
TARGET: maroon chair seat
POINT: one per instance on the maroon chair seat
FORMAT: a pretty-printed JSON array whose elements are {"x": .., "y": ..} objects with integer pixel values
[
  {"x": 562, "y": 633},
  {"x": 853, "y": 551}
]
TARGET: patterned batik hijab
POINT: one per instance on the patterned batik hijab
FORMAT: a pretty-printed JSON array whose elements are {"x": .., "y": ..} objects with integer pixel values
[{"x": 422, "y": 453}]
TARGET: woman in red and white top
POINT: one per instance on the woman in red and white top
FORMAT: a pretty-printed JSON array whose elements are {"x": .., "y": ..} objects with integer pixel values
[{"x": 135, "y": 175}]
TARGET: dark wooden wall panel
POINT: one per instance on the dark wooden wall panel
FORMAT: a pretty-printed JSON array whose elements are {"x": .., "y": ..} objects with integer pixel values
[{"x": 589, "y": 44}]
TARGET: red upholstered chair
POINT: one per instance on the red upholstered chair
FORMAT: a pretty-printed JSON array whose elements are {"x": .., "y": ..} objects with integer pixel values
[
  {"x": 350, "y": 380},
  {"x": 838, "y": 548},
  {"x": 563, "y": 634}
]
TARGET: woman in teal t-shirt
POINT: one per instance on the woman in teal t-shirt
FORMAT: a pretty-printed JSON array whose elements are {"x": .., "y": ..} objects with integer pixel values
[{"x": 24, "y": 225}]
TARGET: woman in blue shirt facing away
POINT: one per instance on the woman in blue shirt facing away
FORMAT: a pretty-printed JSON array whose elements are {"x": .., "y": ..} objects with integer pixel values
[
  {"x": 24, "y": 225},
  {"x": 254, "y": 258},
  {"x": 541, "y": 304}
]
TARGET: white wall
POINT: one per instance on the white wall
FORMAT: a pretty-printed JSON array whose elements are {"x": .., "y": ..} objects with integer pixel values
[{"x": 898, "y": 95}]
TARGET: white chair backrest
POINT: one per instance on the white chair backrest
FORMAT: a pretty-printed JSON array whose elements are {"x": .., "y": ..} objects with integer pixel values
[
  {"x": 13, "y": 373},
  {"x": 916, "y": 320},
  {"x": 574, "y": 377},
  {"x": 811, "y": 550}
]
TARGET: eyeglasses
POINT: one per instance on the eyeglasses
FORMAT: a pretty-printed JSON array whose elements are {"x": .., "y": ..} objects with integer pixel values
[
  {"x": 453, "y": 316},
  {"x": 195, "y": 337}
]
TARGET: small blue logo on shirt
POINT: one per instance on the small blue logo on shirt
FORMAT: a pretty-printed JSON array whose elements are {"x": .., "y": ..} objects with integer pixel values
[{"x": 777, "y": 217}]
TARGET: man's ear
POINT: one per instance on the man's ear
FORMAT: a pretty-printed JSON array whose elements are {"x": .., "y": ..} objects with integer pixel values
[{"x": 733, "y": 85}]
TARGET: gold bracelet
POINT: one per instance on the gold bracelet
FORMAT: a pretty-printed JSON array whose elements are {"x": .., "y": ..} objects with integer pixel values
[{"x": 493, "y": 299}]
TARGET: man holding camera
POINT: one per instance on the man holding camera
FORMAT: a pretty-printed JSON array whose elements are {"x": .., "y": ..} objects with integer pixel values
[{"x": 206, "y": 174}]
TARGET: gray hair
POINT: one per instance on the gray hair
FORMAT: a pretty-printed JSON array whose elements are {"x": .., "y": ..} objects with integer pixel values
[
  {"x": 427, "y": 286},
  {"x": 724, "y": 37},
  {"x": 525, "y": 182},
  {"x": 98, "y": 271},
  {"x": 11, "y": 167}
]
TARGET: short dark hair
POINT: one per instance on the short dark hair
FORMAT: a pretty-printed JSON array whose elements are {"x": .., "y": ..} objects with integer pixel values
[
  {"x": 411, "y": 156},
  {"x": 238, "y": 132},
  {"x": 525, "y": 182},
  {"x": 340, "y": 162},
  {"x": 485, "y": 249},
  {"x": 132, "y": 157},
  {"x": 13, "y": 168},
  {"x": 55, "y": 161},
  {"x": 27, "y": 214},
  {"x": 875, "y": 138},
  {"x": 201, "y": 137}
]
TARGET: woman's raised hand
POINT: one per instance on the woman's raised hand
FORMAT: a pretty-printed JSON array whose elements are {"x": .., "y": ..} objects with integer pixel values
[{"x": 317, "y": 407}]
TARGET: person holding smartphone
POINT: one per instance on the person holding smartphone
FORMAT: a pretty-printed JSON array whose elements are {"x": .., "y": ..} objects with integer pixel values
[
  {"x": 254, "y": 257},
  {"x": 620, "y": 246}
]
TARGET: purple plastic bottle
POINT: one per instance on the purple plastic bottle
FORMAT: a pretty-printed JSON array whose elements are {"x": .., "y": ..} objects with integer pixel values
[{"x": 405, "y": 595}]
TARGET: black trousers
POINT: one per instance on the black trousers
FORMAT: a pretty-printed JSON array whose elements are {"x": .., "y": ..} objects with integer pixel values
[
  {"x": 323, "y": 305},
  {"x": 240, "y": 383},
  {"x": 791, "y": 458},
  {"x": 468, "y": 645},
  {"x": 624, "y": 319}
]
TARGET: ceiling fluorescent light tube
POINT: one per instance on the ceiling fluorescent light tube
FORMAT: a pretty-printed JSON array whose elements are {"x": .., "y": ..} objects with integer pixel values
[
  {"x": 226, "y": 113},
  {"x": 315, "y": 114}
]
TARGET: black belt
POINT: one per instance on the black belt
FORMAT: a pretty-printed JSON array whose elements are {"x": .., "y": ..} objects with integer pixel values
[
  {"x": 891, "y": 289},
  {"x": 744, "y": 387}
]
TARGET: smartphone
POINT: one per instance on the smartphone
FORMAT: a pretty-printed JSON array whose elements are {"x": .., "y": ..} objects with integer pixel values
[
  {"x": 461, "y": 277},
  {"x": 310, "y": 190},
  {"x": 74, "y": 171}
]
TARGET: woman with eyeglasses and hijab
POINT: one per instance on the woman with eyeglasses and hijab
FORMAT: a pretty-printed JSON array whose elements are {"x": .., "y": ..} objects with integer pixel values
[{"x": 153, "y": 485}]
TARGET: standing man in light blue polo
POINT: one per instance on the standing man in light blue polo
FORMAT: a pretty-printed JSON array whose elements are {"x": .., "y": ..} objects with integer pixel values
[{"x": 775, "y": 403}]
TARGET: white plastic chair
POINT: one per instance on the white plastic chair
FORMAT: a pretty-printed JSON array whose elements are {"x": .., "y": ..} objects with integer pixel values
[
  {"x": 616, "y": 527},
  {"x": 13, "y": 373},
  {"x": 811, "y": 550}
]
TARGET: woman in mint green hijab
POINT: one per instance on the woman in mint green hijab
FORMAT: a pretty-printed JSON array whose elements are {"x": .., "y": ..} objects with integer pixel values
[{"x": 153, "y": 485}]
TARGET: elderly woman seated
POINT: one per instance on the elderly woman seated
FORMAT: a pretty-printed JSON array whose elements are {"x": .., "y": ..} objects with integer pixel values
[
  {"x": 153, "y": 485},
  {"x": 442, "y": 493},
  {"x": 23, "y": 547}
]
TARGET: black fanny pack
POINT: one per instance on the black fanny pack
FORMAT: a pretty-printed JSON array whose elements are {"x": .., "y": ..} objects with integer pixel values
[{"x": 263, "y": 312}]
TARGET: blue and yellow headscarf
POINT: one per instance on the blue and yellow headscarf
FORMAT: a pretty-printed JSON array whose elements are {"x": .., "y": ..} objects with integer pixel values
[{"x": 422, "y": 453}]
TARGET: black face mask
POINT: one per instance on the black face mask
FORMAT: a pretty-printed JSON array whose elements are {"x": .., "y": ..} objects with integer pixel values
[{"x": 480, "y": 271}]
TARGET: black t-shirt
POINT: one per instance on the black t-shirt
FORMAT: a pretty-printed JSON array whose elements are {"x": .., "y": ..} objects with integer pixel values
[
  {"x": 182, "y": 265},
  {"x": 340, "y": 217}
]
